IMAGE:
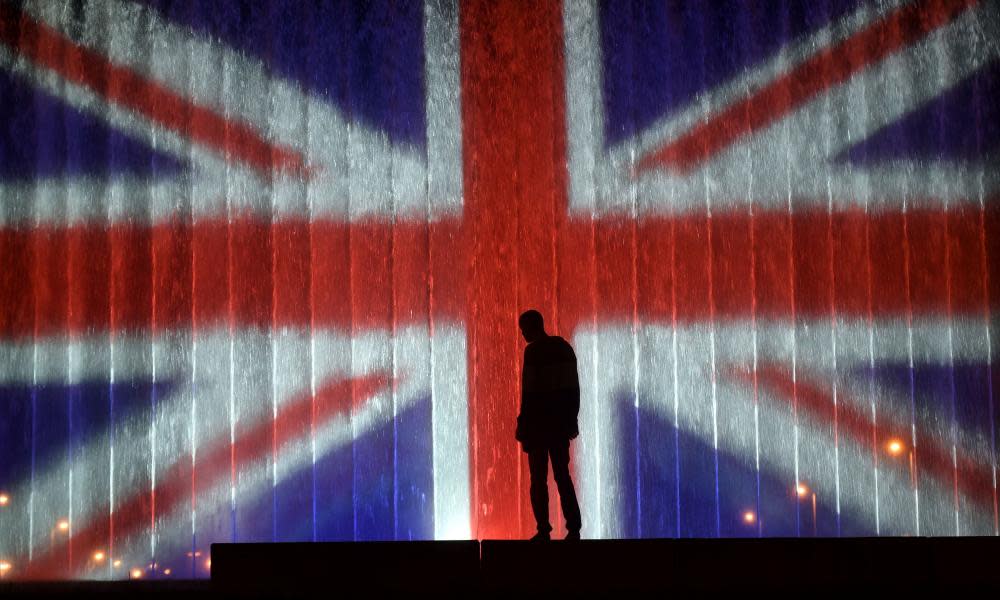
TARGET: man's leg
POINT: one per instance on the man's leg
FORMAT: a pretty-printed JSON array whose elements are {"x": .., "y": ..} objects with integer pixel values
[
  {"x": 538, "y": 467},
  {"x": 567, "y": 495}
]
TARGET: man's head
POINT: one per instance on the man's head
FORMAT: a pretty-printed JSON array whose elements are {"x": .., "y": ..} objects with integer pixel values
[{"x": 532, "y": 325}]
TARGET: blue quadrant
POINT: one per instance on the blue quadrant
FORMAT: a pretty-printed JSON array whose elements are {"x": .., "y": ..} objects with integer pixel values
[
  {"x": 49, "y": 419},
  {"x": 658, "y": 56},
  {"x": 961, "y": 124},
  {"x": 41, "y": 137},
  {"x": 366, "y": 57},
  {"x": 651, "y": 500}
]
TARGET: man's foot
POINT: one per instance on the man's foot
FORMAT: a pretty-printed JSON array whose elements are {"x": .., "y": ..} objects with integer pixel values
[
  {"x": 572, "y": 535},
  {"x": 541, "y": 536}
]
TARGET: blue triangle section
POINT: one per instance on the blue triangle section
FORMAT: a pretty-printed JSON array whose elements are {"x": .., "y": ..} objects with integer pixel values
[
  {"x": 657, "y": 57},
  {"x": 365, "y": 57},
  {"x": 42, "y": 137},
  {"x": 41, "y": 424},
  {"x": 961, "y": 124}
]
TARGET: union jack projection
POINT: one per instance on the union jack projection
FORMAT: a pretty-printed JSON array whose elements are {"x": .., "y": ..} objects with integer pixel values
[{"x": 262, "y": 264}]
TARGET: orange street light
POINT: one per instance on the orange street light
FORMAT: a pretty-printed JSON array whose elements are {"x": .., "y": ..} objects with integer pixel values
[{"x": 895, "y": 447}]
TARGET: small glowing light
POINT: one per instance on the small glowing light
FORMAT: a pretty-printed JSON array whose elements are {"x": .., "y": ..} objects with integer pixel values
[
  {"x": 802, "y": 490},
  {"x": 98, "y": 556},
  {"x": 895, "y": 447},
  {"x": 63, "y": 525},
  {"x": 749, "y": 518},
  {"x": 196, "y": 553},
  {"x": 4, "y": 499},
  {"x": 208, "y": 563},
  {"x": 167, "y": 571},
  {"x": 5, "y": 567},
  {"x": 117, "y": 563},
  {"x": 136, "y": 573}
]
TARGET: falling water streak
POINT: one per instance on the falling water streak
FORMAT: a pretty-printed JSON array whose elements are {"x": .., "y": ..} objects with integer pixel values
[
  {"x": 833, "y": 343},
  {"x": 273, "y": 340},
  {"x": 111, "y": 462},
  {"x": 633, "y": 225},
  {"x": 194, "y": 411},
  {"x": 34, "y": 442},
  {"x": 595, "y": 369},
  {"x": 706, "y": 110},
  {"x": 909, "y": 354},
  {"x": 828, "y": 129},
  {"x": 309, "y": 192},
  {"x": 951, "y": 364},
  {"x": 871, "y": 395},
  {"x": 193, "y": 425},
  {"x": 231, "y": 322},
  {"x": 558, "y": 203},
  {"x": 111, "y": 395},
  {"x": 984, "y": 261},
  {"x": 154, "y": 402},
  {"x": 111, "y": 424},
  {"x": 70, "y": 276},
  {"x": 430, "y": 318},
  {"x": 786, "y": 135},
  {"x": 515, "y": 260},
  {"x": 673, "y": 346},
  {"x": 942, "y": 62},
  {"x": 69, "y": 401},
  {"x": 791, "y": 295},
  {"x": 395, "y": 350},
  {"x": 154, "y": 398},
  {"x": 312, "y": 395},
  {"x": 272, "y": 334},
  {"x": 987, "y": 314},
  {"x": 870, "y": 315},
  {"x": 753, "y": 341},
  {"x": 232, "y": 412},
  {"x": 352, "y": 332}
]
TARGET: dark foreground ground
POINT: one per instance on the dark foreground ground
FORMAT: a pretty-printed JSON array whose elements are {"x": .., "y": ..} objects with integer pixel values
[{"x": 591, "y": 567}]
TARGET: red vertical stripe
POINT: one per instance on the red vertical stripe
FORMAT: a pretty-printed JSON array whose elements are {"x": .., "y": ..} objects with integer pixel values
[{"x": 511, "y": 90}]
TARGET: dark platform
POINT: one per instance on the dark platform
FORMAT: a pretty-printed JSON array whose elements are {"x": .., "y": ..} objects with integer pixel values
[
  {"x": 942, "y": 566},
  {"x": 602, "y": 566},
  {"x": 355, "y": 567},
  {"x": 739, "y": 565}
]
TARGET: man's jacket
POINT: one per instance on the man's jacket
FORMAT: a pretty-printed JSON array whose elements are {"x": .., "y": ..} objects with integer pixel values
[{"x": 550, "y": 393}]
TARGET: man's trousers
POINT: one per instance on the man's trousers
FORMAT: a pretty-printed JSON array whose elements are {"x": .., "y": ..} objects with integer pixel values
[{"x": 538, "y": 465}]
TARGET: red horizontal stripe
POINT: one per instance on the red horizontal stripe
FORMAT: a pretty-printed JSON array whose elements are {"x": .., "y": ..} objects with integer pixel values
[
  {"x": 237, "y": 141},
  {"x": 214, "y": 462},
  {"x": 826, "y": 69},
  {"x": 129, "y": 278}
]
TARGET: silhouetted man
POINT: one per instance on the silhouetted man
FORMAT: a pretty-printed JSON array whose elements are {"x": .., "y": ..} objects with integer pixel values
[{"x": 550, "y": 401}]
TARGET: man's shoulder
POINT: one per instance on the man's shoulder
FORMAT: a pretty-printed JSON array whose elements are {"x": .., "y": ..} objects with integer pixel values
[
  {"x": 552, "y": 348},
  {"x": 561, "y": 344}
]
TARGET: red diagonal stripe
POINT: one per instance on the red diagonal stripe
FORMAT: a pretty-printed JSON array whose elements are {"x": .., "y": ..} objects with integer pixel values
[
  {"x": 826, "y": 69},
  {"x": 236, "y": 141},
  {"x": 179, "y": 483},
  {"x": 849, "y": 420}
]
